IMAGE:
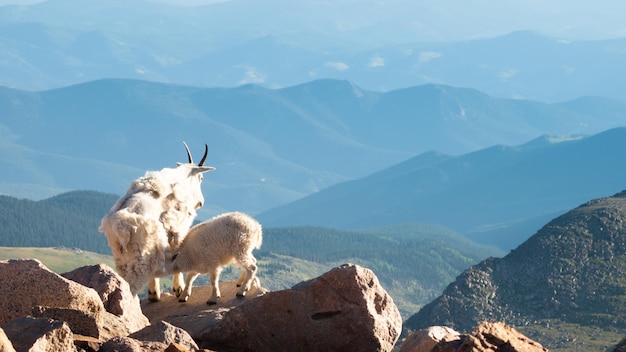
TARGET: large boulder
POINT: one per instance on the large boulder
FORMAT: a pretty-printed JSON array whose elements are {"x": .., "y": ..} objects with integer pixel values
[
  {"x": 498, "y": 336},
  {"x": 31, "y": 289},
  {"x": 27, "y": 283},
  {"x": 345, "y": 309},
  {"x": 166, "y": 333},
  {"x": 101, "y": 326},
  {"x": 114, "y": 292},
  {"x": 487, "y": 337},
  {"x": 39, "y": 334}
]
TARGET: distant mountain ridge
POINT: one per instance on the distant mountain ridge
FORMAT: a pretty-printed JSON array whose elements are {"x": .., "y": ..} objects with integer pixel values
[
  {"x": 270, "y": 146},
  {"x": 495, "y": 195},
  {"x": 229, "y": 43}
]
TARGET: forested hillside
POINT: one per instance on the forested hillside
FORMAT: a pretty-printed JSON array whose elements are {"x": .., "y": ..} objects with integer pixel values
[
  {"x": 413, "y": 261},
  {"x": 435, "y": 252},
  {"x": 68, "y": 220}
]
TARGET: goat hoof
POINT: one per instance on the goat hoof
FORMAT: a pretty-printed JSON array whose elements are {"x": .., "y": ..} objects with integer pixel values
[
  {"x": 241, "y": 295},
  {"x": 153, "y": 297},
  {"x": 182, "y": 300},
  {"x": 211, "y": 303},
  {"x": 178, "y": 291}
]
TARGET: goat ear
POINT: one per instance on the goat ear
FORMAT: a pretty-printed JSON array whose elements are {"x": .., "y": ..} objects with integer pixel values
[{"x": 202, "y": 169}]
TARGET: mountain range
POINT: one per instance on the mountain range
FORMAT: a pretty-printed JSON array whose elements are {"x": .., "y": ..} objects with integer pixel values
[
  {"x": 274, "y": 146},
  {"x": 504, "y": 50},
  {"x": 497, "y": 195}
]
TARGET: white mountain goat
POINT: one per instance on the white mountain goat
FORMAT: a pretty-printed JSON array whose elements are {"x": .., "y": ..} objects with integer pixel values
[
  {"x": 155, "y": 213},
  {"x": 209, "y": 246}
]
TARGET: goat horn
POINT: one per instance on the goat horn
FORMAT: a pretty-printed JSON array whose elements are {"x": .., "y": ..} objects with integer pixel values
[
  {"x": 188, "y": 153},
  {"x": 206, "y": 150}
]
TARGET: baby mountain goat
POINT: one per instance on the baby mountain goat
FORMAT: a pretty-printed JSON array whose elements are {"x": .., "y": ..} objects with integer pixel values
[{"x": 209, "y": 246}]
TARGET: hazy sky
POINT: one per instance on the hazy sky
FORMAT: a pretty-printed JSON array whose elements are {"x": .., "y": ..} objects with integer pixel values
[
  {"x": 437, "y": 19},
  {"x": 19, "y": 2}
]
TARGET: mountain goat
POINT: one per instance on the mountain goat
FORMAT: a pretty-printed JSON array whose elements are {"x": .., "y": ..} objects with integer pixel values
[
  {"x": 209, "y": 246},
  {"x": 155, "y": 213}
]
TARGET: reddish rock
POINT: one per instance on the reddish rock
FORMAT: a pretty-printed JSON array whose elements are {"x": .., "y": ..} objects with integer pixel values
[
  {"x": 38, "y": 286},
  {"x": 81, "y": 323},
  {"x": 43, "y": 293},
  {"x": 195, "y": 316},
  {"x": 487, "y": 337},
  {"x": 425, "y": 340},
  {"x": 87, "y": 343},
  {"x": 499, "y": 337},
  {"x": 39, "y": 334},
  {"x": 101, "y": 326},
  {"x": 345, "y": 309},
  {"x": 114, "y": 292},
  {"x": 174, "y": 347},
  {"x": 127, "y": 344},
  {"x": 166, "y": 333}
]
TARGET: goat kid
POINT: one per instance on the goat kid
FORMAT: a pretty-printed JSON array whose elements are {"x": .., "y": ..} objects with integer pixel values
[{"x": 211, "y": 245}]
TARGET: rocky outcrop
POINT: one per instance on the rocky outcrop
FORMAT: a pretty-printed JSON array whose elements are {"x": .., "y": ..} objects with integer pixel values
[
  {"x": 487, "y": 337},
  {"x": 114, "y": 293},
  {"x": 128, "y": 344},
  {"x": 571, "y": 270},
  {"x": 39, "y": 334},
  {"x": 621, "y": 346},
  {"x": 28, "y": 283},
  {"x": 41, "y": 308},
  {"x": 43, "y": 293},
  {"x": 344, "y": 309},
  {"x": 166, "y": 333},
  {"x": 195, "y": 316},
  {"x": 425, "y": 340}
]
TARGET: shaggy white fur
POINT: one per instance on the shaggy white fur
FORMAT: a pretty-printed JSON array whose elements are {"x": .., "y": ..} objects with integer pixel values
[
  {"x": 209, "y": 246},
  {"x": 156, "y": 212}
]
